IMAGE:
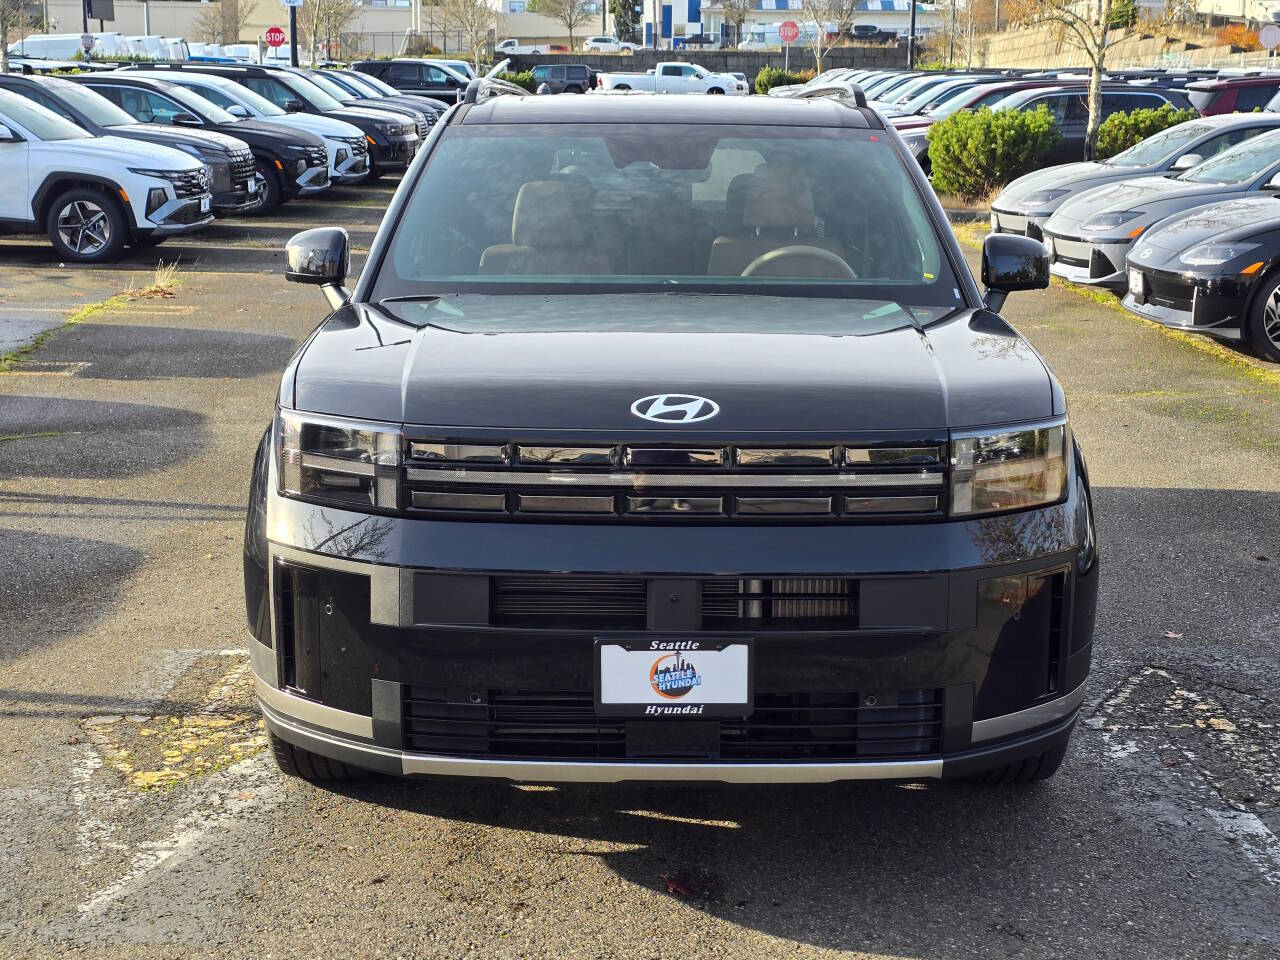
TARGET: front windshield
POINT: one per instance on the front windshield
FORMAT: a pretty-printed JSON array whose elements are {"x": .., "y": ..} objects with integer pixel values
[
  {"x": 934, "y": 94},
  {"x": 193, "y": 101},
  {"x": 41, "y": 122},
  {"x": 575, "y": 208},
  {"x": 93, "y": 105},
  {"x": 1240, "y": 164},
  {"x": 885, "y": 84},
  {"x": 1155, "y": 148},
  {"x": 308, "y": 91},
  {"x": 908, "y": 90},
  {"x": 328, "y": 86}
]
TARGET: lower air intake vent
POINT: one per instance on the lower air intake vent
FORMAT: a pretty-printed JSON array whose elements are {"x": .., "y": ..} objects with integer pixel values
[
  {"x": 798, "y": 602},
  {"x": 571, "y": 602}
]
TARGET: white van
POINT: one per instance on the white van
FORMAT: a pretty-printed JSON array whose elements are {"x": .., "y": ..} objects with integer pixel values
[{"x": 47, "y": 46}]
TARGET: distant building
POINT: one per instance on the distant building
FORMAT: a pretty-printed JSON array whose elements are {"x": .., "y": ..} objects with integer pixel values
[{"x": 672, "y": 20}]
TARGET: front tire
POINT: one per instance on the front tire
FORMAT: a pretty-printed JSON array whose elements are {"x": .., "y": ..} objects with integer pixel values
[
  {"x": 272, "y": 190},
  {"x": 715, "y": 90},
  {"x": 87, "y": 226},
  {"x": 1262, "y": 326},
  {"x": 306, "y": 765}
]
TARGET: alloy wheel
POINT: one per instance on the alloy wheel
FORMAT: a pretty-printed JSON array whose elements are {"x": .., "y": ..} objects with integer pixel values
[
  {"x": 84, "y": 227},
  {"x": 1271, "y": 318}
]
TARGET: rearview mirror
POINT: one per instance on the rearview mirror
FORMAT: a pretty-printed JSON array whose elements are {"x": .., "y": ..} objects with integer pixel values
[
  {"x": 1187, "y": 161},
  {"x": 321, "y": 256},
  {"x": 294, "y": 106},
  {"x": 237, "y": 111},
  {"x": 1011, "y": 262}
]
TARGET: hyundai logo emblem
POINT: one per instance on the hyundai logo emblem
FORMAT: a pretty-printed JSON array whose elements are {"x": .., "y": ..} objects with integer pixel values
[{"x": 675, "y": 408}]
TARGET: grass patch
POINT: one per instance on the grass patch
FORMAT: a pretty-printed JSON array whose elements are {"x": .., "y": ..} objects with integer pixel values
[
  {"x": 163, "y": 286},
  {"x": 15, "y": 357},
  {"x": 29, "y": 436}
]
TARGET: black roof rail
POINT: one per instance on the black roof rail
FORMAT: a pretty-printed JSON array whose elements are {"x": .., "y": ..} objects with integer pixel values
[{"x": 485, "y": 88}]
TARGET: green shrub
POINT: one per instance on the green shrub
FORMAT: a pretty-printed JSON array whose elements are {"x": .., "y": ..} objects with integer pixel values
[
  {"x": 974, "y": 153},
  {"x": 1120, "y": 131},
  {"x": 770, "y": 77},
  {"x": 522, "y": 79}
]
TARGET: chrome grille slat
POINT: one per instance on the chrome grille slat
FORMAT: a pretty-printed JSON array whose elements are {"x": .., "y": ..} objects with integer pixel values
[{"x": 642, "y": 481}]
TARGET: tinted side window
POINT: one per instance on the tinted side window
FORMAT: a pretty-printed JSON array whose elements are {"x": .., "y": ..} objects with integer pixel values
[
  {"x": 1057, "y": 106},
  {"x": 42, "y": 98},
  {"x": 671, "y": 71},
  {"x": 405, "y": 74},
  {"x": 1222, "y": 141},
  {"x": 272, "y": 89},
  {"x": 212, "y": 94},
  {"x": 1253, "y": 98},
  {"x": 436, "y": 77},
  {"x": 143, "y": 105}
]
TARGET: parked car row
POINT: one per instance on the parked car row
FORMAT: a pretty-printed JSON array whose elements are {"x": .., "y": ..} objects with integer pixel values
[
  {"x": 1185, "y": 226},
  {"x": 128, "y": 157}
]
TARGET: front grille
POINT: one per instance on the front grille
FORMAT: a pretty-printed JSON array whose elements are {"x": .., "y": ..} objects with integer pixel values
[
  {"x": 1061, "y": 257},
  {"x": 1170, "y": 292},
  {"x": 422, "y": 127},
  {"x": 621, "y": 603},
  {"x": 713, "y": 484},
  {"x": 316, "y": 156},
  {"x": 1100, "y": 265},
  {"x": 221, "y": 181},
  {"x": 562, "y": 725},
  {"x": 191, "y": 183},
  {"x": 1034, "y": 232},
  {"x": 242, "y": 169}
]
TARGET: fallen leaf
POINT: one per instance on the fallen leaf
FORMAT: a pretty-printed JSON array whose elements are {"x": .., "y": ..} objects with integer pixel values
[
  {"x": 675, "y": 886},
  {"x": 1170, "y": 635}
]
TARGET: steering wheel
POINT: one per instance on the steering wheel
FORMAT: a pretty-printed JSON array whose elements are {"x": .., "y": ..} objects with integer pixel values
[{"x": 799, "y": 251}]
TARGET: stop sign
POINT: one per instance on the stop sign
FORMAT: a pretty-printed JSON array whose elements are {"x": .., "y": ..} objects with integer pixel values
[
  {"x": 788, "y": 31},
  {"x": 275, "y": 37}
]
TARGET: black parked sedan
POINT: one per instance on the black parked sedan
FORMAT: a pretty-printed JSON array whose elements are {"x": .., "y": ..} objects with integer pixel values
[
  {"x": 1213, "y": 270},
  {"x": 289, "y": 163},
  {"x": 751, "y": 484}
]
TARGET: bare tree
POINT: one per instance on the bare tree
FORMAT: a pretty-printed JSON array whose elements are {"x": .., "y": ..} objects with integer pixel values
[
  {"x": 472, "y": 19},
  {"x": 825, "y": 13},
  {"x": 224, "y": 20},
  {"x": 736, "y": 13},
  {"x": 1086, "y": 26},
  {"x": 18, "y": 17},
  {"x": 322, "y": 20},
  {"x": 572, "y": 13}
]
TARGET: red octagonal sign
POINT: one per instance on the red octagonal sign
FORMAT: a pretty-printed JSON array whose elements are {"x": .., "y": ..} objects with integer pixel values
[
  {"x": 788, "y": 31},
  {"x": 275, "y": 37}
]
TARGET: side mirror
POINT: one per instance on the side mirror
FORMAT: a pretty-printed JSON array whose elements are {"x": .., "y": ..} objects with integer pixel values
[
  {"x": 1187, "y": 161},
  {"x": 1011, "y": 262},
  {"x": 237, "y": 111},
  {"x": 321, "y": 256},
  {"x": 185, "y": 120},
  {"x": 294, "y": 106},
  {"x": 451, "y": 83},
  {"x": 1273, "y": 183},
  {"x": 8, "y": 136}
]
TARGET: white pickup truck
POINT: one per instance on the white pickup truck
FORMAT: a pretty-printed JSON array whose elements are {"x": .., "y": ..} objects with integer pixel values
[
  {"x": 513, "y": 48},
  {"x": 675, "y": 77}
]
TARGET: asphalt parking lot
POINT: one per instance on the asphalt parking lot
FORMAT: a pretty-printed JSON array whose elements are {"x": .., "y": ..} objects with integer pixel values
[{"x": 139, "y": 815}]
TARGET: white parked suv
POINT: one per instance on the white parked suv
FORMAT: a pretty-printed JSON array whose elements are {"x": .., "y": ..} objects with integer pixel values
[
  {"x": 92, "y": 195},
  {"x": 344, "y": 142},
  {"x": 607, "y": 45}
]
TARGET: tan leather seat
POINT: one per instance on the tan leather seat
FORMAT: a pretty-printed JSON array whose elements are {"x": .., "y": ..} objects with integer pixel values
[
  {"x": 778, "y": 213},
  {"x": 548, "y": 236}
]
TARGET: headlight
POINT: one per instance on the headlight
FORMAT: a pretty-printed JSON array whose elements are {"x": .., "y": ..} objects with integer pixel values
[
  {"x": 344, "y": 462},
  {"x": 1212, "y": 254},
  {"x": 1046, "y": 196},
  {"x": 1109, "y": 219},
  {"x": 160, "y": 174},
  {"x": 998, "y": 471}
]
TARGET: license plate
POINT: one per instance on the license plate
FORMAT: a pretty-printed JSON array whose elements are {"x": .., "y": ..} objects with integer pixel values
[
  {"x": 205, "y": 203},
  {"x": 1137, "y": 285},
  {"x": 672, "y": 678},
  {"x": 253, "y": 186}
]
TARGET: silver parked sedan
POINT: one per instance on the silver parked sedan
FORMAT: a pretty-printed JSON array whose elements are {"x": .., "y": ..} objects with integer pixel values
[
  {"x": 1089, "y": 236},
  {"x": 1027, "y": 203}
]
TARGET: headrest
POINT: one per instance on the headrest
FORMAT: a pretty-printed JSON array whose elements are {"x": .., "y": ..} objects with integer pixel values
[
  {"x": 735, "y": 198},
  {"x": 544, "y": 216},
  {"x": 778, "y": 198}
]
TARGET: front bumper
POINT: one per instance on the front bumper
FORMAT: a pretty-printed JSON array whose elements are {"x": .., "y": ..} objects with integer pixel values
[
  {"x": 1214, "y": 306},
  {"x": 313, "y": 180},
  {"x": 1028, "y": 225},
  {"x": 180, "y": 215},
  {"x": 395, "y": 154},
  {"x": 378, "y": 641},
  {"x": 1091, "y": 263}
]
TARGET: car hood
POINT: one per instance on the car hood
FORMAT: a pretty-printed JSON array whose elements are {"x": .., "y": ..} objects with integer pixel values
[
  {"x": 172, "y": 136},
  {"x": 1133, "y": 195},
  {"x": 119, "y": 150},
  {"x": 358, "y": 115},
  {"x": 1227, "y": 222},
  {"x": 1062, "y": 175},
  {"x": 254, "y": 127},
  {"x": 970, "y": 369},
  {"x": 315, "y": 124}
]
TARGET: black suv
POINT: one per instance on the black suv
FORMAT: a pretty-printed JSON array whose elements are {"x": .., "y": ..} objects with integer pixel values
[
  {"x": 288, "y": 163},
  {"x": 563, "y": 78},
  {"x": 417, "y": 76},
  {"x": 653, "y": 445},
  {"x": 392, "y": 139}
]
